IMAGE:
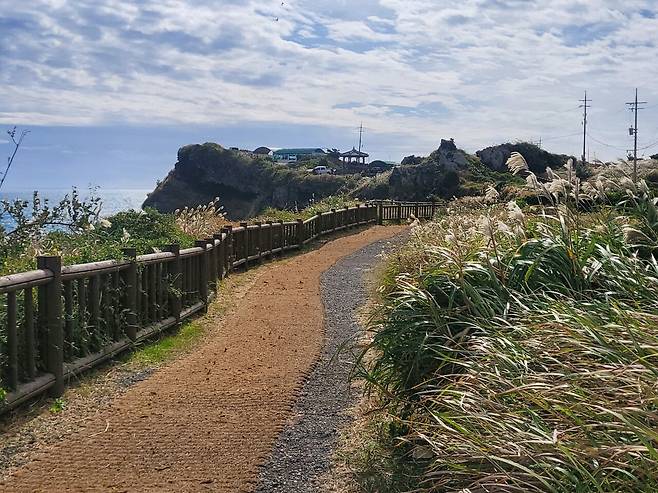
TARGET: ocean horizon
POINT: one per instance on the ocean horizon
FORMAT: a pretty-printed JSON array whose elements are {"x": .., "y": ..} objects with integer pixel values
[{"x": 113, "y": 199}]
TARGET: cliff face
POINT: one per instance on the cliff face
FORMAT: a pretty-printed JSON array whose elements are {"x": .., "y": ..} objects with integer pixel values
[{"x": 244, "y": 184}]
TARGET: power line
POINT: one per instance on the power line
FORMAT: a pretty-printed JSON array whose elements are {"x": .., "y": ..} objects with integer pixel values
[
  {"x": 634, "y": 106},
  {"x": 604, "y": 143},
  {"x": 561, "y": 136},
  {"x": 654, "y": 144}
]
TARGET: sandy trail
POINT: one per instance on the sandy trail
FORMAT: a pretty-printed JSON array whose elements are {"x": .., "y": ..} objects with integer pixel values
[{"x": 208, "y": 420}]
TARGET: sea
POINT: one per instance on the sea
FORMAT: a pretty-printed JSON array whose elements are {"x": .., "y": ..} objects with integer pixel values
[{"x": 113, "y": 200}]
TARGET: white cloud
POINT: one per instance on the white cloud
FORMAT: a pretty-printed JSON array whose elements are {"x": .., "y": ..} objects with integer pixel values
[{"x": 501, "y": 69}]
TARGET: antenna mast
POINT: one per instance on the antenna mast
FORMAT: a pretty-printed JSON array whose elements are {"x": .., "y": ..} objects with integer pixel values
[{"x": 360, "y": 135}]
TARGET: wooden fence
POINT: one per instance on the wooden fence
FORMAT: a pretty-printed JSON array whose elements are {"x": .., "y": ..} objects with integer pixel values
[{"x": 62, "y": 320}]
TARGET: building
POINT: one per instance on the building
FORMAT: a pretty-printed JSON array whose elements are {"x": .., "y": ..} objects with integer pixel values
[
  {"x": 354, "y": 157},
  {"x": 301, "y": 154}
]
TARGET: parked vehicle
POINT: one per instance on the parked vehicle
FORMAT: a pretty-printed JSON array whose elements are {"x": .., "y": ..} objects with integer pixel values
[{"x": 321, "y": 170}]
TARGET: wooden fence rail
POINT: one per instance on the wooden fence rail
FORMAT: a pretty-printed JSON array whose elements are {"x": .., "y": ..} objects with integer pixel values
[{"x": 62, "y": 320}]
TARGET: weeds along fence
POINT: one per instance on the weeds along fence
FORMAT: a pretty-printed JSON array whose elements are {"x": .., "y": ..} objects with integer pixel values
[{"x": 58, "y": 321}]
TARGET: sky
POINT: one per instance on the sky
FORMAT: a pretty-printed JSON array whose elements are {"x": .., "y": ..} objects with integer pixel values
[{"x": 110, "y": 89}]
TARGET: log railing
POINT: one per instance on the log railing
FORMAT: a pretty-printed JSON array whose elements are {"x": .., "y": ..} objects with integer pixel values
[{"x": 62, "y": 320}]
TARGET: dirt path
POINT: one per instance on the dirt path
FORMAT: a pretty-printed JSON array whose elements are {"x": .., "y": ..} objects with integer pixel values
[
  {"x": 301, "y": 461},
  {"x": 208, "y": 420}
]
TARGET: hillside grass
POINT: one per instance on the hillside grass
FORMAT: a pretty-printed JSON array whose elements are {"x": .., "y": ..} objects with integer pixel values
[{"x": 518, "y": 350}]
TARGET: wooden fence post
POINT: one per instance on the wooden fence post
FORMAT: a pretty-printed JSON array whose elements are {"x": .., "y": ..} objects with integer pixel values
[
  {"x": 176, "y": 291},
  {"x": 212, "y": 262},
  {"x": 221, "y": 256},
  {"x": 246, "y": 247},
  {"x": 433, "y": 208},
  {"x": 318, "y": 224},
  {"x": 348, "y": 219},
  {"x": 203, "y": 271},
  {"x": 333, "y": 220},
  {"x": 53, "y": 319},
  {"x": 259, "y": 240},
  {"x": 12, "y": 341},
  {"x": 300, "y": 233},
  {"x": 270, "y": 238},
  {"x": 282, "y": 238},
  {"x": 130, "y": 281},
  {"x": 380, "y": 212},
  {"x": 399, "y": 218},
  {"x": 230, "y": 250}
]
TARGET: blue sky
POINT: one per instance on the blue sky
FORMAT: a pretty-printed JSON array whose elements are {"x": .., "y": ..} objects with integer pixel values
[{"x": 110, "y": 89}]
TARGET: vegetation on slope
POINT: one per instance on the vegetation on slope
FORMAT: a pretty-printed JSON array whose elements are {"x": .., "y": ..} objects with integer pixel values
[
  {"x": 75, "y": 229},
  {"x": 518, "y": 350}
]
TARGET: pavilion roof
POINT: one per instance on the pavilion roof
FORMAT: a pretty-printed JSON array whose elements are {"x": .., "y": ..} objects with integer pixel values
[{"x": 354, "y": 153}]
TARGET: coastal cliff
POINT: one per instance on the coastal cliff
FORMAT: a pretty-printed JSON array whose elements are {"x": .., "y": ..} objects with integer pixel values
[{"x": 246, "y": 185}]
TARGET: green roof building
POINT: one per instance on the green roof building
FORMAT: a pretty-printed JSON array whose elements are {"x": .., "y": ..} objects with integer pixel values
[{"x": 298, "y": 154}]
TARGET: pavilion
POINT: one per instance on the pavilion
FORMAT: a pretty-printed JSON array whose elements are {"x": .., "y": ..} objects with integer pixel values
[{"x": 354, "y": 156}]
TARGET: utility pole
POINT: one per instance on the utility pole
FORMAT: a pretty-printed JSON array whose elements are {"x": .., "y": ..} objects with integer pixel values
[
  {"x": 634, "y": 107},
  {"x": 360, "y": 135},
  {"x": 584, "y": 106}
]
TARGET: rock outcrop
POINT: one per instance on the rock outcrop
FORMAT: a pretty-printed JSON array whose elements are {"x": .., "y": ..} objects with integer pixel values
[
  {"x": 245, "y": 184},
  {"x": 495, "y": 157},
  {"x": 445, "y": 173}
]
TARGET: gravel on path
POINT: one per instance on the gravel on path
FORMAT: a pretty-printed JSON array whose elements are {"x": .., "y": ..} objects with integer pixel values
[{"x": 302, "y": 454}]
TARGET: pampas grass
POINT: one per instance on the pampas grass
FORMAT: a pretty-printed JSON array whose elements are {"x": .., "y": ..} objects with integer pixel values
[
  {"x": 517, "y": 163},
  {"x": 519, "y": 352},
  {"x": 202, "y": 221}
]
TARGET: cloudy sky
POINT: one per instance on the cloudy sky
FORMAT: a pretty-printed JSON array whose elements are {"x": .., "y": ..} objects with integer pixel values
[{"x": 111, "y": 88}]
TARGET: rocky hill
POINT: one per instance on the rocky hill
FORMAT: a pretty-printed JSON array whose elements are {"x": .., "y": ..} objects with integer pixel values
[
  {"x": 447, "y": 172},
  {"x": 246, "y": 185}
]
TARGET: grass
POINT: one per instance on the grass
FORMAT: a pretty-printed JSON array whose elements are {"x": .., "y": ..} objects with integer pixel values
[
  {"x": 374, "y": 461},
  {"x": 169, "y": 346},
  {"x": 518, "y": 351},
  {"x": 312, "y": 209}
]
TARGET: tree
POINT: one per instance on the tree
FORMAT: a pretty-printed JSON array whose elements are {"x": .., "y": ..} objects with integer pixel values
[{"x": 17, "y": 141}]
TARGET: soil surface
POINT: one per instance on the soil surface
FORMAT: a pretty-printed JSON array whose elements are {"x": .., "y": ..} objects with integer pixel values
[
  {"x": 38, "y": 424},
  {"x": 208, "y": 420},
  {"x": 302, "y": 454}
]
